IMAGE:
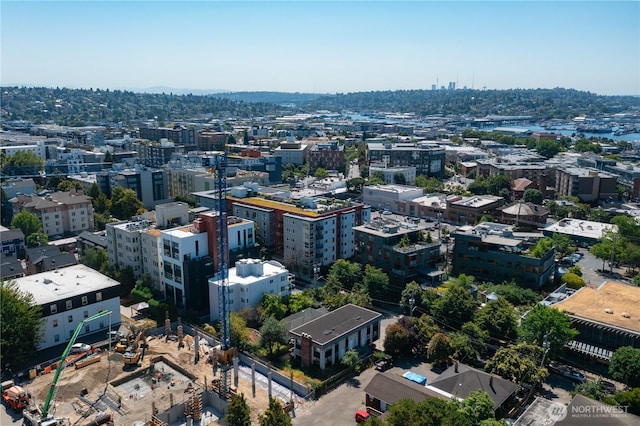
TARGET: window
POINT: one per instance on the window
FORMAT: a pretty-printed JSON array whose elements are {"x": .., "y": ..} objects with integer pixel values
[
  {"x": 53, "y": 308},
  {"x": 56, "y": 338},
  {"x": 85, "y": 300},
  {"x": 69, "y": 304},
  {"x": 86, "y": 314},
  {"x": 70, "y": 318},
  {"x": 98, "y": 296},
  {"x": 55, "y": 323}
]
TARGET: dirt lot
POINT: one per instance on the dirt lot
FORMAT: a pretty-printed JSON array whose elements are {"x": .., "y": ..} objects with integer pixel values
[{"x": 94, "y": 381}]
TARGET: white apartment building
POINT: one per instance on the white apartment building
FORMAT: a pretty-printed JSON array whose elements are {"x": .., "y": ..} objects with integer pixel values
[
  {"x": 179, "y": 246},
  {"x": 248, "y": 282},
  {"x": 389, "y": 173},
  {"x": 124, "y": 245},
  {"x": 69, "y": 295},
  {"x": 309, "y": 241},
  {"x": 291, "y": 152},
  {"x": 150, "y": 249}
]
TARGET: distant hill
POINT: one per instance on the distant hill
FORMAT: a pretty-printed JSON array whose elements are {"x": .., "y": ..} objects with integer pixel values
[{"x": 83, "y": 107}]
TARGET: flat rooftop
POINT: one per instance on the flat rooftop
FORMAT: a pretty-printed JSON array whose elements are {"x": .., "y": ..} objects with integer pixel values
[
  {"x": 51, "y": 286},
  {"x": 594, "y": 304},
  {"x": 582, "y": 228}
]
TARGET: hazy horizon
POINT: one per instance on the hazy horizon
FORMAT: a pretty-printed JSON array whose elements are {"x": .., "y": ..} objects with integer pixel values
[{"x": 322, "y": 47}]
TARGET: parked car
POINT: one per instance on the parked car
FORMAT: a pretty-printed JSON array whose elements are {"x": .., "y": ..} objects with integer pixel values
[
  {"x": 608, "y": 386},
  {"x": 79, "y": 347},
  {"x": 362, "y": 416},
  {"x": 385, "y": 363},
  {"x": 574, "y": 375},
  {"x": 556, "y": 367}
]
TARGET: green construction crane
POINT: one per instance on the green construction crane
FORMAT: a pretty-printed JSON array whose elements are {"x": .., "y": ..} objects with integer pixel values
[{"x": 61, "y": 366}]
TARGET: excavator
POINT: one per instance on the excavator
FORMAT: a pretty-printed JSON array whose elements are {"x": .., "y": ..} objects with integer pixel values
[
  {"x": 135, "y": 353},
  {"x": 34, "y": 415},
  {"x": 124, "y": 342},
  {"x": 15, "y": 397}
]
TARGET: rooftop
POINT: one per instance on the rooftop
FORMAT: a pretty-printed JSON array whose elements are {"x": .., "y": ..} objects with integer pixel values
[
  {"x": 392, "y": 388},
  {"x": 477, "y": 201},
  {"x": 583, "y": 228},
  {"x": 336, "y": 323},
  {"x": 64, "y": 283},
  {"x": 612, "y": 303}
]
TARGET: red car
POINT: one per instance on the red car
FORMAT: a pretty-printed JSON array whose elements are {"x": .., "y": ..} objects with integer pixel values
[{"x": 362, "y": 416}]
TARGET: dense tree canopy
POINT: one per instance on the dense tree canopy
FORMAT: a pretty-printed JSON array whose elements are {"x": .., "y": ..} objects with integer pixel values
[
  {"x": 274, "y": 415},
  {"x": 125, "y": 203},
  {"x": 21, "y": 163},
  {"x": 499, "y": 319},
  {"x": 545, "y": 323},
  {"x": 625, "y": 365},
  {"x": 239, "y": 413},
  {"x": 20, "y": 326},
  {"x": 29, "y": 223},
  {"x": 456, "y": 306},
  {"x": 272, "y": 333},
  {"x": 519, "y": 363}
]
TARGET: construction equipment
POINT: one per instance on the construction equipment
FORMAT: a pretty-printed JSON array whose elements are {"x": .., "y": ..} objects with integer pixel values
[
  {"x": 15, "y": 396},
  {"x": 124, "y": 342},
  {"x": 40, "y": 416},
  {"x": 223, "y": 273},
  {"x": 135, "y": 353}
]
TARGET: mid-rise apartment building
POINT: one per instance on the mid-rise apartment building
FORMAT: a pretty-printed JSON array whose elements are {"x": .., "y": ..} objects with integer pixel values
[
  {"x": 328, "y": 155},
  {"x": 62, "y": 214},
  {"x": 427, "y": 157},
  {"x": 469, "y": 210},
  {"x": 494, "y": 252},
  {"x": 326, "y": 225},
  {"x": 586, "y": 184},
  {"x": 405, "y": 250}
]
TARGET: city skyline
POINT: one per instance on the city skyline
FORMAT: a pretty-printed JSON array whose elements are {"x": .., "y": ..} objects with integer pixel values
[{"x": 322, "y": 46}]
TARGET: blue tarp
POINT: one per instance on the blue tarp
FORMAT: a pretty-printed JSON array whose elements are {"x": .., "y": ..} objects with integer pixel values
[{"x": 415, "y": 377}]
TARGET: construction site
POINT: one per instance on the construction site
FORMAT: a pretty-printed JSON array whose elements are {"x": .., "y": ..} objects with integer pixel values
[{"x": 164, "y": 379}]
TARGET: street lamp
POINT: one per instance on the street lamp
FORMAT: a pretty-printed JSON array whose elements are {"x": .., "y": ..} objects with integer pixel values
[{"x": 316, "y": 272}]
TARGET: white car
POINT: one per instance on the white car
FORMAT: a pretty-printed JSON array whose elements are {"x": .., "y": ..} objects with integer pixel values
[{"x": 79, "y": 347}]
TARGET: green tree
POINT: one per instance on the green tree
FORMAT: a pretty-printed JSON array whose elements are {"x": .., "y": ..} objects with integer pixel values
[
  {"x": 439, "y": 348},
  {"x": 519, "y": 363},
  {"x": 541, "y": 248},
  {"x": 593, "y": 390},
  {"x": 239, "y": 330},
  {"x": 125, "y": 203},
  {"x": 29, "y": 223},
  {"x": 272, "y": 306},
  {"x": 396, "y": 340},
  {"x": 351, "y": 359},
  {"x": 572, "y": 280},
  {"x": 127, "y": 280},
  {"x": 430, "y": 185},
  {"x": 499, "y": 318},
  {"x": 21, "y": 326},
  {"x": 375, "y": 281},
  {"x": 67, "y": 185},
  {"x": 94, "y": 258},
  {"x": 355, "y": 184},
  {"x": 562, "y": 244},
  {"x": 343, "y": 275},
  {"x": 239, "y": 413},
  {"x": 630, "y": 399},
  {"x": 543, "y": 321},
  {"x": 478, "y": 406},
  {"x": 532, "y": 195},
  {"x": 477, "y": 336},
  {"x": 548, "y": 147},
  {"x": 94, "y": 191},
  {"x": 22, "y": 163},
  {"x": 301, "y": 301},
  {"x": 625, "y": 365},
  {"x": 321, "y": 173},
  {"x": 38, "y": 239},
  {"x": 274, "y": 415},
  {"x": 399, "y": 178},
  {"x": 272, "y": 333},
  {"x": 456, "y": 307}
]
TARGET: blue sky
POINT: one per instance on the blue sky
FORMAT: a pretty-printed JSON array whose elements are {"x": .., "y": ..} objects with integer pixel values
[{"x": 322, "y": 46}]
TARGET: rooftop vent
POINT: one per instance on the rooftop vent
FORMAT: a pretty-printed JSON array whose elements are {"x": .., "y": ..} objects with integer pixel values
[
  {"x": 626, "y": 315},
  {"x": 609, "y": 311}
]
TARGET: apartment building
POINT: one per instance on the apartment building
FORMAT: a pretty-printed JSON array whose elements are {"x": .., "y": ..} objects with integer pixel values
[
  {"x": 428, "y": 158},
  {"x": 291, "y": 152},
  {"x": 62, "y": 214},
  {"x": 180, "y": 135},
  {"x": 328, "y": 155},
  {"x": 468, "y": 210},
  {"x": 494, "y": 252},
  {"x": 65, "y": 303},
  {"x": 124, "y": 245},
  {"x": 390, "y": 173},
  {"x": 587, "y": 184},
  {"x": 279, "y": 224},
  {"x": 402, "y": 249},
  {"x": 247, "y": 284},
  {"x": 150, "y": 184}
]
